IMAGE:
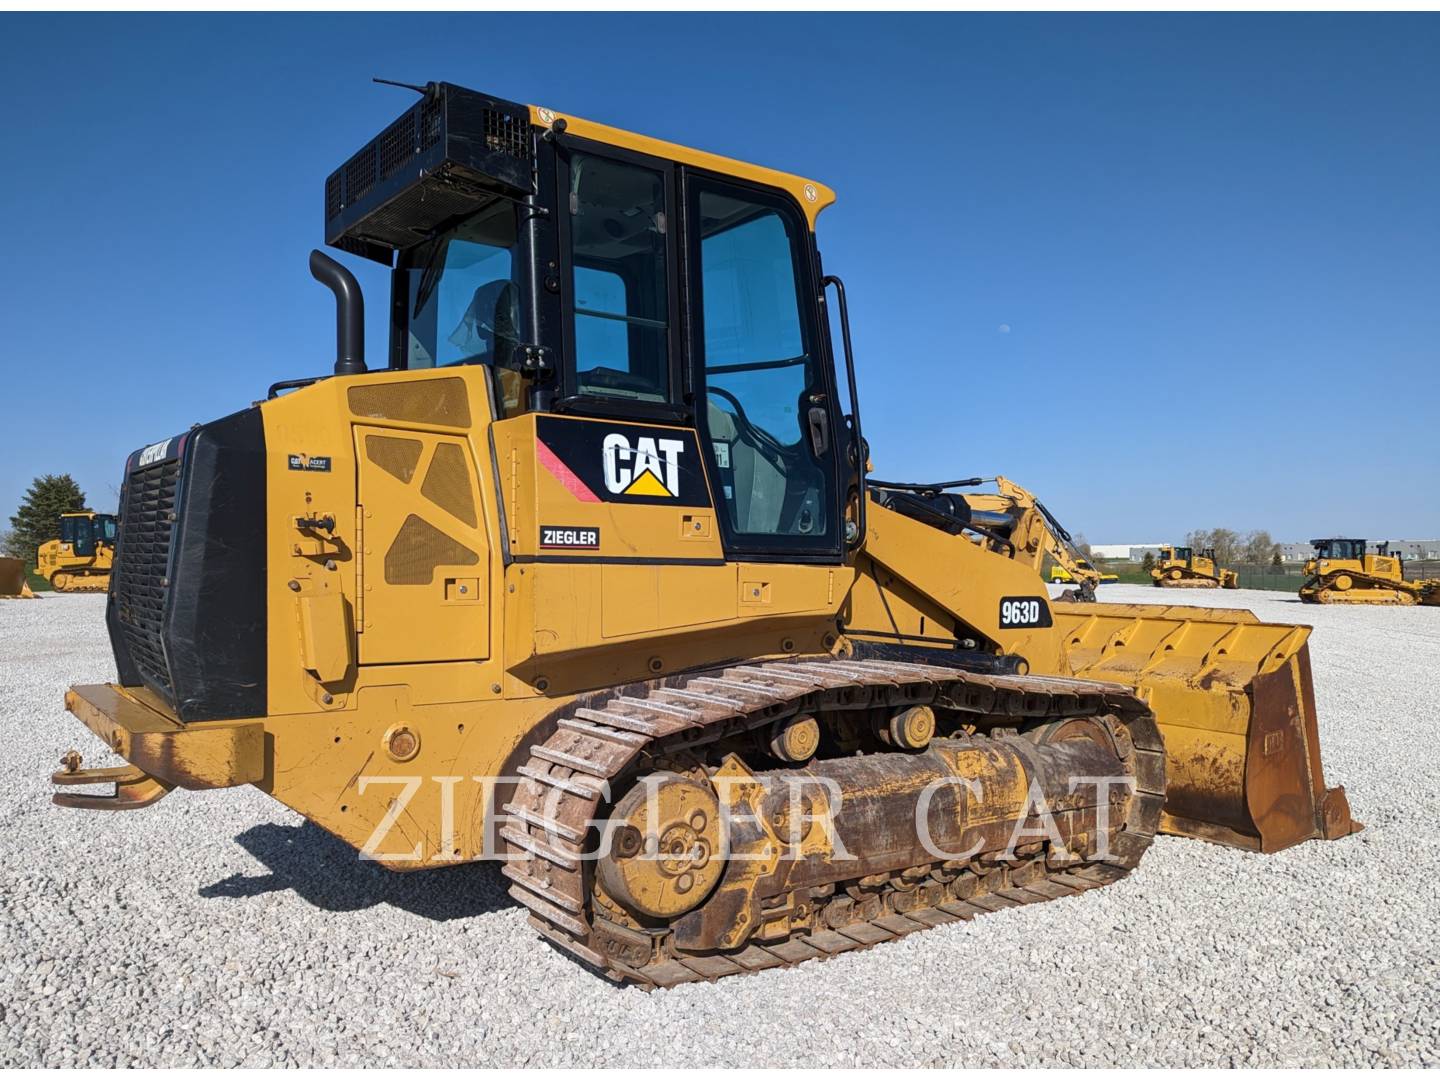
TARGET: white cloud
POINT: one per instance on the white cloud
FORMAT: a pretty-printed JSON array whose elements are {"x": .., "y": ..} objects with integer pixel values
[{"x": 1003, "y": 328}]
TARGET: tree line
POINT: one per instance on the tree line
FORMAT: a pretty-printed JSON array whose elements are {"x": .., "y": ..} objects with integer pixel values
[
  {"x": 1253, "y": 548},
  {"x": 38, "y": 517}
]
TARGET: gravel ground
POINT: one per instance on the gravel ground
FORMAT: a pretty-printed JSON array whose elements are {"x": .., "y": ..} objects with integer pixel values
[{"x": 218, "y": 928}]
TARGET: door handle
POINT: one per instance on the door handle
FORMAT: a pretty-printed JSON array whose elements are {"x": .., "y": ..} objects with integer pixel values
[{"x": 819, "y": 430}]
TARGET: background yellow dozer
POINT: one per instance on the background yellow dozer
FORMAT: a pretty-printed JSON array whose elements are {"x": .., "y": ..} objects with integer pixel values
[
  {"x": 1184, "y": 568},
  {"x": 1344, "y": 571},
  {"x": 80, "y": 559}
]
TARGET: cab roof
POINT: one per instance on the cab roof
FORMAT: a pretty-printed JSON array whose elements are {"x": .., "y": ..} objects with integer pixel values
[{"x": 812, "y": 195}]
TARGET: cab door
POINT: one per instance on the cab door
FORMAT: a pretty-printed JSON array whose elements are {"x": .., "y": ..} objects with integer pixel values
[{"x": 766, "y": 398}]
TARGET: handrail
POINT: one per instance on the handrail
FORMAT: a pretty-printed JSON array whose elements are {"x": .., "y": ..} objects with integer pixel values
[{"x": 858, "y": 444}]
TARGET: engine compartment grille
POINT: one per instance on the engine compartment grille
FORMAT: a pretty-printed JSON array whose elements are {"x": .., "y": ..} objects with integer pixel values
[{"x": 142, "y": 567}]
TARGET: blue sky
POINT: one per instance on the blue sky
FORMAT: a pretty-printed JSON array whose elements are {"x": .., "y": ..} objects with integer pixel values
[{"x": 1171, "y": 272}]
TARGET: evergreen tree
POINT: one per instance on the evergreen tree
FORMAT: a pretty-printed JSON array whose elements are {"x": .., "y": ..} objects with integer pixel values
[
  {"x": 38, "y": 518},
  {"x": 1148, "y": 562}
]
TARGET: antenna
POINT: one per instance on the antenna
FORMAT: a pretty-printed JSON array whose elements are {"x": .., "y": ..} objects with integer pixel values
[{"x": 421, "y": 90}]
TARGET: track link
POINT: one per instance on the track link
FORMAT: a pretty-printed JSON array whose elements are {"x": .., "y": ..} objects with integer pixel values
[
  {"x": 597, "y": 747},
  {"x": 1369, "y": 590},
  {"x": 82, "y": 583}
]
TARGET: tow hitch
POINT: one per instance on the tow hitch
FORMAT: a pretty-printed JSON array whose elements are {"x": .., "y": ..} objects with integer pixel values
[{"x": 134, "y": 788}]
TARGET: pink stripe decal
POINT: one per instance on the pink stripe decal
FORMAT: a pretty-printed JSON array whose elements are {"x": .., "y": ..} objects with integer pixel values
[{"x": 561, "y": 472}]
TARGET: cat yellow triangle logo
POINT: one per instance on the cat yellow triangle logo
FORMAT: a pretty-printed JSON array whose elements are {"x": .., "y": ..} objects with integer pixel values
[{"x": 647, "y": 483}]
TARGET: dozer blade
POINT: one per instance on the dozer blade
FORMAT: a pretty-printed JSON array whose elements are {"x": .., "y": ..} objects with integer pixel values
[
  {"x": 1236, "y": 706},
  {"x": 12, "y": 579}
]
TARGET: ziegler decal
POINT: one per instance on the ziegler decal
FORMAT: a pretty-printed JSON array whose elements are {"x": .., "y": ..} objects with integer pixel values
[
  {"x": 571, "y": 537},
  {"x": 626, "y": 463},
  {"x": 1026, "y": 611}
]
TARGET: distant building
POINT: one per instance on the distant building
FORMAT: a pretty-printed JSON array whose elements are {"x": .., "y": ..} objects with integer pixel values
[
  {"x": 1407, "y": 549},
  {"x": 1410, "y": 549},
  {"x": 1132, "y": 552},
  {"x": 1295, "y": 552}
]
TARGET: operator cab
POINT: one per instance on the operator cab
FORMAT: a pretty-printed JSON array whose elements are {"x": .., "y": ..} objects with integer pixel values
[
  {"x": 83, "y": 531},
  {"x": 560, "y": 254},
  {"x": 1339, "y": 549}
]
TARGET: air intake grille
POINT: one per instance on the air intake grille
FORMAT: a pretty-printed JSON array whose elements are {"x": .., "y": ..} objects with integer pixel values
[
  {"x": 360, "y": 174},
  {"x": 397, "y": 144},
  {"x": 507, "y": 134},
  {"x": 447, "y": 483},
  {"x": 418, "y": 549},
  {"x": 428, "y": 401},
  {"x": 142, "y": 562}
]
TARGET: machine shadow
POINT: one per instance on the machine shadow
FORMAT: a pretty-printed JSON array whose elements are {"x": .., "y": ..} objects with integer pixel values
[{"x": 328, "y": 874}]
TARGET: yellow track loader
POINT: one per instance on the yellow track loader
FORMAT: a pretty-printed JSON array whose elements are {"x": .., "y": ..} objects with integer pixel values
[
  {"x": 588, "y": 578},
  {"x": 80, "y": 559},
  {"x": 1184, "y": 568},
  {"x": 12, "y": 580},
  {"x": 1344, "y": 572}
]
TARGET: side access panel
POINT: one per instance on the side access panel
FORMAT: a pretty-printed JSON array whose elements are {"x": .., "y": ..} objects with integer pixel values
[{"x": 425, "y": 559}]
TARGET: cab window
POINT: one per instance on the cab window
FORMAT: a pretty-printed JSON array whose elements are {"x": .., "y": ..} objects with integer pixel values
[
  {"x": 766, "y": 410},
  {"x": 619, "y": 257},
  {"x": 463, "y": 299}
]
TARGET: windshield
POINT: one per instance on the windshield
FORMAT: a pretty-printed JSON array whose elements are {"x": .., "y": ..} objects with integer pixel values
[
  {"x": 463, "y": 300},
  {"x": 1340, "y": 549},
  {"x": 82, "y": 531}
]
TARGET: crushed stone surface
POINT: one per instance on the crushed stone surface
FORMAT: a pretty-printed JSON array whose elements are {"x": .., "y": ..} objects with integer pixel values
[{"x": 218, "y": 928}]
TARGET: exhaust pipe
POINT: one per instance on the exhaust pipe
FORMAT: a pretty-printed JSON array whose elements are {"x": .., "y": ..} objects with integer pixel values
[{"x": 349, "y": 312}]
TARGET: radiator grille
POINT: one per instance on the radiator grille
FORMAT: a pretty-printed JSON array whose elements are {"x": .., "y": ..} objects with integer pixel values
[{"x": 142, "y": 566}]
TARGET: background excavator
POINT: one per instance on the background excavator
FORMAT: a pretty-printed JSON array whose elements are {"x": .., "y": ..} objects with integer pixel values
[
  {"x": 1184, "y": 568},
  {"x": 1009, "y": 521},
  {"x": 80, "y": 559},
  {"x": 1343, "y": 571},
  {"x": 741, "y": 708}
]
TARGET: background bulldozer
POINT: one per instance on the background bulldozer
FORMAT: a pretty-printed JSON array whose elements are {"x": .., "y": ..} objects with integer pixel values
[
  {"x": 1343, "y": 571},
  {"x": 1184, "y": 568},
  {"x": 597, "y": 585},
  {"x": 80, "y": 559}
]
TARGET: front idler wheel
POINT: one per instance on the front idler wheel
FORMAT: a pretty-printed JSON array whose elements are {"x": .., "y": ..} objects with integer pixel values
[{"x": 661, "y": 854}]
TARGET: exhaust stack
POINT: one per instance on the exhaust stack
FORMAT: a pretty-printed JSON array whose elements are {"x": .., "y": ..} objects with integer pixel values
[{"x": 349, "y": 312}]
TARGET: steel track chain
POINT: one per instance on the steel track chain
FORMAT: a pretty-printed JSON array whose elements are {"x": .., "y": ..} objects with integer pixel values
[{"x": 593, "y": 747}]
